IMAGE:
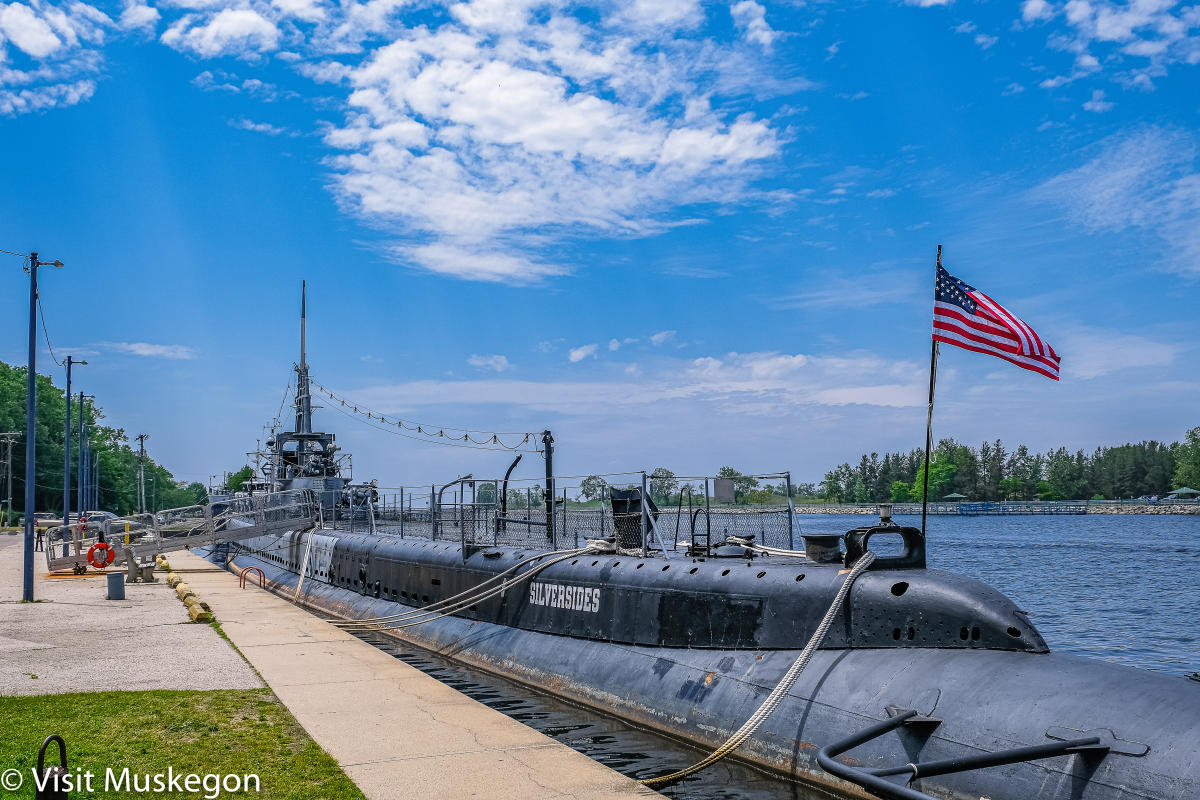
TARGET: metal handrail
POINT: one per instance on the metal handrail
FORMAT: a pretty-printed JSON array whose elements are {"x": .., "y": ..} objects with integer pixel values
[{"x": 873, "y": 780}]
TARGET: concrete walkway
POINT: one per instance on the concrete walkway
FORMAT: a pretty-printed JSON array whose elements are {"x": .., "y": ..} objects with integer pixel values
[
  {"x": 397, "y": 732},
  {"x": 72, "y": 639}
]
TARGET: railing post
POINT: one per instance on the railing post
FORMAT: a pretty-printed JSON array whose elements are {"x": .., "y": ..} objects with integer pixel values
[
  {"x": 791, "y": 532},
  {"x": 401, "y": 512},
  {"x": 707, "y": 520},
  {"x": 645, "y": 511},
  {"x": 548, "y": 441},
  {"x": 433, "y": 516}
]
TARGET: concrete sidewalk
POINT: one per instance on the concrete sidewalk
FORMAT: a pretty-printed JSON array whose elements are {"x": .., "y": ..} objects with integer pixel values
[
  {"x": 72, "y": 639},
  {"x": 397, "y": 732}
]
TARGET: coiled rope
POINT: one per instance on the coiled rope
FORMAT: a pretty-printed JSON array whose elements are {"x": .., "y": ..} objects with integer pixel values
[
  {"x": 780, "y": 691},
  {"x": 476, "y": 594},
  {"x": 765, "y": 549}
]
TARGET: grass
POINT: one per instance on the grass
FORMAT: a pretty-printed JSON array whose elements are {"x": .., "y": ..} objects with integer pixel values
[{"x": 218, "y": 732}]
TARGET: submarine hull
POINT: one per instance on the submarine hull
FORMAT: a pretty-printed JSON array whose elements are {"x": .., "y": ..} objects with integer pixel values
[{"x": 985, "y": 700}]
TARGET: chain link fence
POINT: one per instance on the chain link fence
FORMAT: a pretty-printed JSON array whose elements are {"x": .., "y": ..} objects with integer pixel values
[{"x": 679, "y": 514}]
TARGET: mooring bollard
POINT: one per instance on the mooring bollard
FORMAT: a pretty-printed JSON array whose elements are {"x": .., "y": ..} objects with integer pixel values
[
  {"x": 116, "y": 586},
  {"x": 50, "y": 777}
]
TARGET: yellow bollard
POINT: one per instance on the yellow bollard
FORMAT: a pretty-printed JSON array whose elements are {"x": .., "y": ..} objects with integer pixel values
[
  {"x": 198, "y": 614},
  {"x": 183, "y": 590}
]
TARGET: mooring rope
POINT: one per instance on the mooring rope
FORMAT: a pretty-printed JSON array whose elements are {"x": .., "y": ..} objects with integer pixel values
[
  {"x": 476, "y": 594},
  {"x": 781, "y": 689}
]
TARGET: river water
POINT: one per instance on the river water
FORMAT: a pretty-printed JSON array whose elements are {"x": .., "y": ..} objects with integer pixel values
[{"x": 1120, "y": 588}]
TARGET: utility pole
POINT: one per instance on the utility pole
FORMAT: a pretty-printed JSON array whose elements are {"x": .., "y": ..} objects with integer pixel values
[
  {"x": 7, "y": 440},
  {"x": 142, "y": 437},
  {"x": 84, "y": 450},
  {"x": 31, "y": 427}
]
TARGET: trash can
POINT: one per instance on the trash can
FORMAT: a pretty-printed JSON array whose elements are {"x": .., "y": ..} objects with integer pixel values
[{"x": 116, "y": 586}]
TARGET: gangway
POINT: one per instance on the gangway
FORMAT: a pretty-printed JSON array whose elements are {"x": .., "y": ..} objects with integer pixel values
[{"x": 136, "y": 539}]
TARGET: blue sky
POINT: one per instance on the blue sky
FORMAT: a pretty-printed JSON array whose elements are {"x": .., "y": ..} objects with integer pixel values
[{"x": 677, "y": 233}]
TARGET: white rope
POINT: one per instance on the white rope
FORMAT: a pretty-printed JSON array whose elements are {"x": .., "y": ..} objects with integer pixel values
[
  {"x": 474, "y": 595},
  {"x": 765, "y": 549},
  {"x": 775, "y": 698}
]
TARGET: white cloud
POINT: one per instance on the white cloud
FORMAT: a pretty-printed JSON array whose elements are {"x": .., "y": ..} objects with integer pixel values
[
  {"x": 1089, "y": 352},
  {"x": 1152, "y": 33},
  {"x": 307, "y": 10},
  {"x": 497, "y": 134},
  {"x": 240, "y": 32},
  {"x": 1144, "y": 179},
  {"x": 985, "y": 41},
  {"x": 577, "y": 354},
  {"x": 751, "y": 18},
  {"x": 244, "y": 124},
  {"x": 758, "y": 384},
  {"x": 137, "y": 15},
  {"x": 1097, "y": 104},
  {"x": 22, "y": 101},
  {"x": 496, "y": 363},
  {"x": 172, "y": 351},
  {"x": 662, "y": 336},
  {"x": 614, "y": 345},
  {"x": 30, "y": 32},
  {"x": 859, "y": 290},
  {"x": 50, "y": 54},
  {"x": 1033, "y": 10}
]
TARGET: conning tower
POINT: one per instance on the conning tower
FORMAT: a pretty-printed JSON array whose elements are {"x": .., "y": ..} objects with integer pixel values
[{"x": 303, "y": 458}]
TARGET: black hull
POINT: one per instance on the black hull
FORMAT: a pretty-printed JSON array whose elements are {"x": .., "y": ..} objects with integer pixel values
[{"x": 988, "y": 700}]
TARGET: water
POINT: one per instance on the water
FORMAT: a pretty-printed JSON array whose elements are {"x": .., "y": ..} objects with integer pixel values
[{"x": 1122, "y": 588}]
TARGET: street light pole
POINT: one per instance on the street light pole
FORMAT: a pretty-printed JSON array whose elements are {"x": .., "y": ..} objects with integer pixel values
[
  {"x": 31, "y": 427},
  {"x": 67, "y": 448},
  {"x": 84, "y": 451},
  {"x": 141, "y": 438}
]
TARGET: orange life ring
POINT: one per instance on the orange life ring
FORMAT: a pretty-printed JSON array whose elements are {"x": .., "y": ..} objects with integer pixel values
[{"x": 104, "y": 559}]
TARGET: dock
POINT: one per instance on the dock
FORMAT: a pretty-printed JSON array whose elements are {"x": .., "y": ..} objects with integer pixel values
[{"x": 397, "y": 732}]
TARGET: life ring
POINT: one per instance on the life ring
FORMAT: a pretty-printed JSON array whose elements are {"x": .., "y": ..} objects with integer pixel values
[{"x": 104, "y": 559}]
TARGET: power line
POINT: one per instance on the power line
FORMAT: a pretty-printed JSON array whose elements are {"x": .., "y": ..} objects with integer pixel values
[
  {"x": 45, "y": 332},
  {"x": 11, "y": 253}
]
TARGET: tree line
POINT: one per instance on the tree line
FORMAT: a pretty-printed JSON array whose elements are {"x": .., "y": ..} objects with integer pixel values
[
  {"x": 992, "y": 472},
  {"x": 118, "y": 462}
]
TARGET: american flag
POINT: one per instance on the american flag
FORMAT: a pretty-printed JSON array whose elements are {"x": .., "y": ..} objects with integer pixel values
[{"x": 966, "y": 317}]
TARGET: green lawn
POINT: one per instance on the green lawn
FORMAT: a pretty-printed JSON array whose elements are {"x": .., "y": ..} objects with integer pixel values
[{"x": 217, "y": 732}]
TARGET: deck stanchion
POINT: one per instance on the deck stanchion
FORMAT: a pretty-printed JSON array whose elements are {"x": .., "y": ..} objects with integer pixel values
[
  {"x": 644, "y": 512},
  {"x": 791, "y": 525}
]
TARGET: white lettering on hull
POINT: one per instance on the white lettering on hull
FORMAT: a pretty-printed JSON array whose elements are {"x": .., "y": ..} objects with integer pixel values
[{"x": 572, "y": 598}]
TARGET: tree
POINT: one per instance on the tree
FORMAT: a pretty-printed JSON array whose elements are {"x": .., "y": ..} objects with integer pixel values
[
  {"x": 486, "y": 493},
  {"x": 901, "y": 491},
  {"x": 662, "y": 483},
  {"x": 742, "y": 484},
  {"x": 941, "y": 479},
  {"x": 235, "y": 481},
  {"x": 1187, "y": 460},
  {"x": 593, "y": 487},
  {"x": 516, "y": 499}
]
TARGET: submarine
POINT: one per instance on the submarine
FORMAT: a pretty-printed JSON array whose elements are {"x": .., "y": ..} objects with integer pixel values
[{"x": 913, "y": 683}]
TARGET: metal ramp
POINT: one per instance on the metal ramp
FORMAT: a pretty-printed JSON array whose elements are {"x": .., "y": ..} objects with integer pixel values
[{"x": 138, "y": 538}]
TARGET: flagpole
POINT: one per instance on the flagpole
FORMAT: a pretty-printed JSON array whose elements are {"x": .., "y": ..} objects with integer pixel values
[{"x": 933, "y": 359}]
